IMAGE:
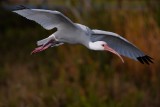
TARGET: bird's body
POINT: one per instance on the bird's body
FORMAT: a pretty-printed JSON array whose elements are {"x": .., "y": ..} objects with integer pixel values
[
  {"x": 74, "y": 36},
  {"x": 73, "y": 33}
]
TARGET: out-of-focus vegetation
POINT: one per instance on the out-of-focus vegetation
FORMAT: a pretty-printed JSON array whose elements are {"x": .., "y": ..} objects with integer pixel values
[{"x": 73, "y": 76}]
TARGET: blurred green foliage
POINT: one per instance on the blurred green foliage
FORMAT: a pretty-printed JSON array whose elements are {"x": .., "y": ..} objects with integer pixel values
[{"x": 73, "y": 76}]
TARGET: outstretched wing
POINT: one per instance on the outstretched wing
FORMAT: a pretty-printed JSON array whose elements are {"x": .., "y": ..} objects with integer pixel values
[
  {"x": 46, "y": 18},
  {"x": 121, "y": 45}
]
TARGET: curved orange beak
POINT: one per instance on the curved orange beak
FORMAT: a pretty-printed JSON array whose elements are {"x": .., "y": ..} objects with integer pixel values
[{"x": 107, "y": 48}]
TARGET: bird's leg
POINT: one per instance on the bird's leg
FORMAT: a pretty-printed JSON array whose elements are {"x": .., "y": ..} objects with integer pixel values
[{"x": 44, "y": 47}]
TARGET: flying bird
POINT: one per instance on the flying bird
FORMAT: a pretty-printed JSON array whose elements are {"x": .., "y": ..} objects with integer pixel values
[{"x": 74, "y": 33}]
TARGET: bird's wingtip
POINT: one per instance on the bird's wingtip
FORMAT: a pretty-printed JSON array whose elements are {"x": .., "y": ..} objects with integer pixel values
[
  {"x": 20, "y": 7},
  {"x": 145, "y": 59}
]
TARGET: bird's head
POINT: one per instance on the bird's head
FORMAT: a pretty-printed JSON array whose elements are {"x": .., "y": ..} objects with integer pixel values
[
  {"x": 103, "y": 46},
  {"x": 98, "y": 45}
]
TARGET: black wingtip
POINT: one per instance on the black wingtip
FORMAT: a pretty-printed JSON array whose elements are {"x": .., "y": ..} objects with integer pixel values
[
  {"x": 145, "y": 59},
  {"x": 21, "y": 7},
  {"x": 24, "y": 7}
]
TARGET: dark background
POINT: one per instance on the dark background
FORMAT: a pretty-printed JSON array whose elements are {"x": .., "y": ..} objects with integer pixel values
[{"x": 72, "y": 75}]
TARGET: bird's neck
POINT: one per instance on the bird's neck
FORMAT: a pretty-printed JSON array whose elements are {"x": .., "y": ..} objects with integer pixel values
[{"x": 93, "y": 46}]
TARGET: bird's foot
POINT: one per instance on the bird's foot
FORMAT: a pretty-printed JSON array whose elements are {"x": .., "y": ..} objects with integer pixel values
[{"x": 43, "y": 47}]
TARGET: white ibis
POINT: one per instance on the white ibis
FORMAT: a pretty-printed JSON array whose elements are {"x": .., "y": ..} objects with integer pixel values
[{"x": 73, "y": 33}]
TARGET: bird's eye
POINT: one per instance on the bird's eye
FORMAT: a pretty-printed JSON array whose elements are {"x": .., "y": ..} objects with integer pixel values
[{"x": 102, "y": 44}]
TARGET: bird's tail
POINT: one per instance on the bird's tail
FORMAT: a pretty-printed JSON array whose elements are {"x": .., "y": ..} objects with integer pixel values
[{"x": 43, "y": 41}]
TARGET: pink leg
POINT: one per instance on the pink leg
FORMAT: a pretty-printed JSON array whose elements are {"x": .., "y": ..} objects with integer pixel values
[{"x": 42, "y": 48}]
